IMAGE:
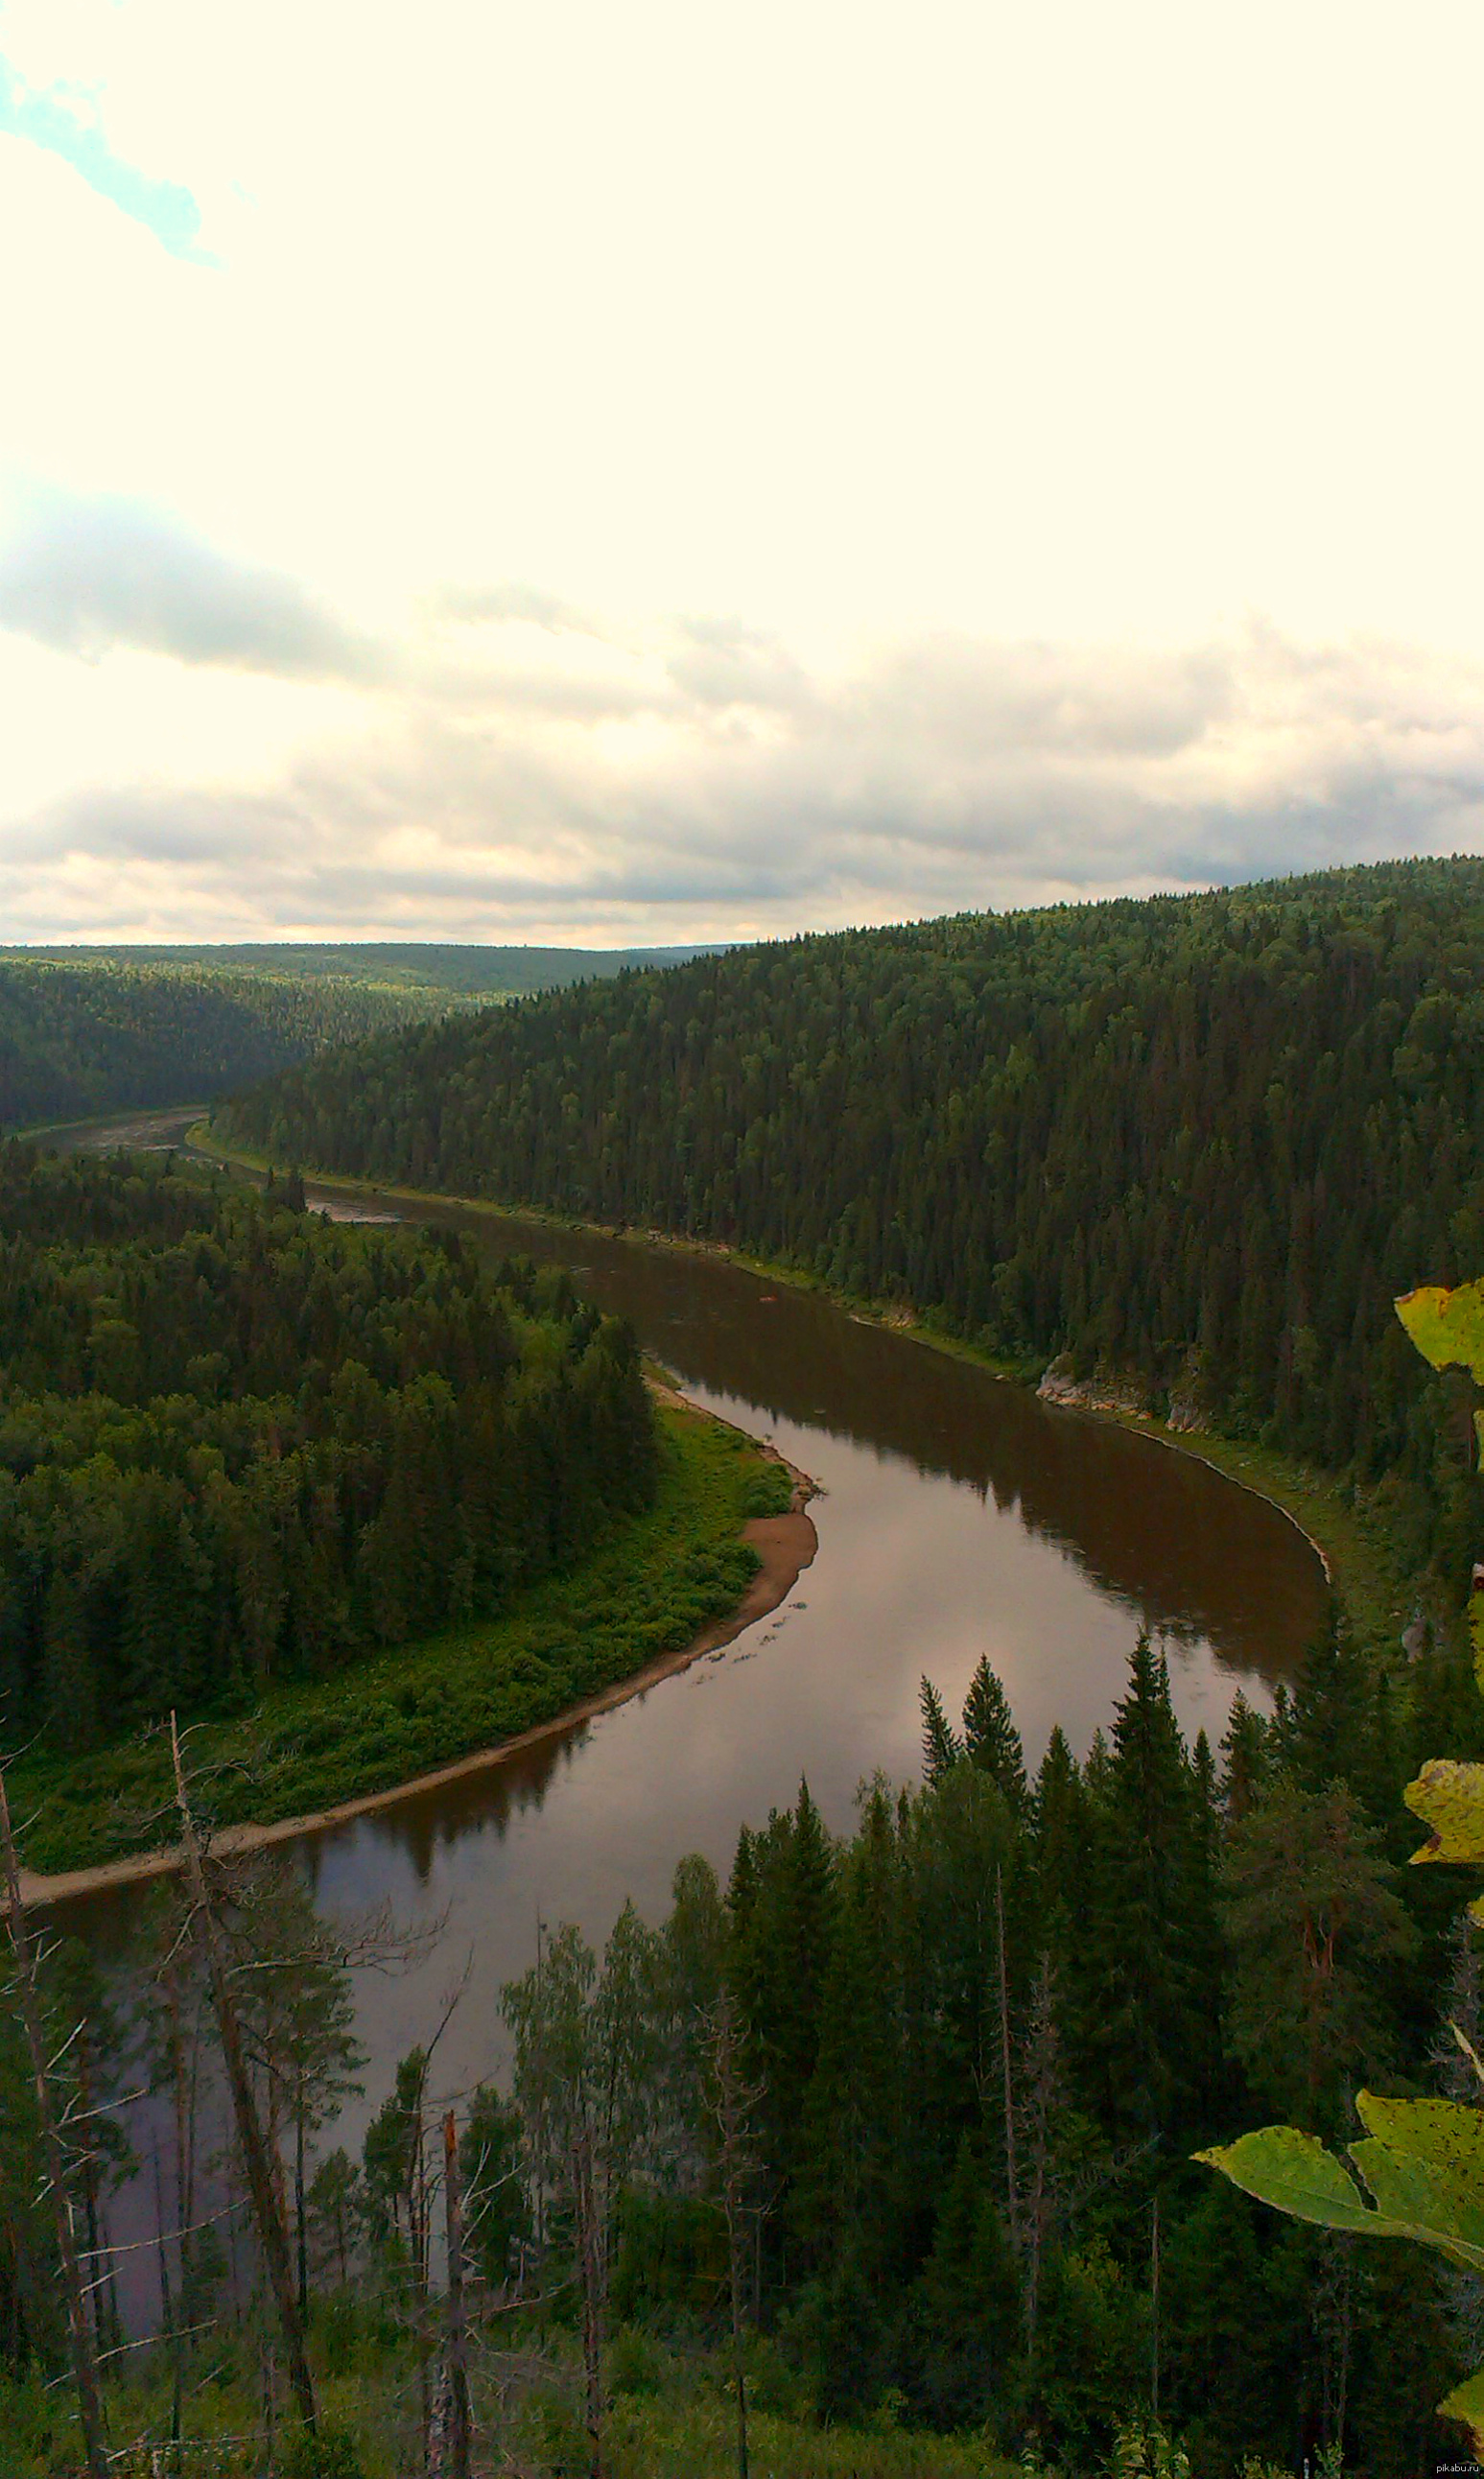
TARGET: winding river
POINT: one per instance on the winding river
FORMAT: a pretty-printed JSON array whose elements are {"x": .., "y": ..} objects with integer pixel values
[{"x": 959, "y": 1515}]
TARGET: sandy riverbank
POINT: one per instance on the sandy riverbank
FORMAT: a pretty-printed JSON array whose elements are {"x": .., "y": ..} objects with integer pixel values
[{"x": 785, "y": 1544}]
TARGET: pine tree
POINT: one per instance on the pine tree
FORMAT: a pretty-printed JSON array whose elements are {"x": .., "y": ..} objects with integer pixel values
[
  {"x": 1143, "y": 1997},
  {"x": 1245, "y": 1766},
  {"x": 1333, "y": 1723},
  {"x": 784, "y": 1948},
  {"x": 942, "y": 1746},
  {"x": 965, "y": 2308},
  {"x": 1315, "y": 1921},
  {"x": 856, "y": 2097},
  {"x": 1060, "y": 1825},
  {"x": 990, "y": 1738}
]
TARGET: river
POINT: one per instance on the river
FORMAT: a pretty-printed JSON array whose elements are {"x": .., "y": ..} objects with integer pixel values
[{"x": 958, "y": 1516}]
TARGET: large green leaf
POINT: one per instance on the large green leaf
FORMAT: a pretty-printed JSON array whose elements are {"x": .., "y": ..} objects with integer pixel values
[
  {"x": 1466, "y": 2404},
  {"x": 1449, "y": 1798},
  {"x": 1421, "y": 2161},
  {"x": 1441, "y": 2131},
  {"x": 1416, "y": 2201},
  {"x": 1447, "y": 1327},
  {"x": 1295, "y": 2173}
]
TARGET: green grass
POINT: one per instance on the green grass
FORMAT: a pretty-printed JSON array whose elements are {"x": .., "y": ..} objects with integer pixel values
[
  {"x": 677, "y": 2423},
  {"x": 645, "y": 1590}
]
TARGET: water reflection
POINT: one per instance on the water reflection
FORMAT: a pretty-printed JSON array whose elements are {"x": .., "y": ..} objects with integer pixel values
[{"x": 961, "y": 1516}]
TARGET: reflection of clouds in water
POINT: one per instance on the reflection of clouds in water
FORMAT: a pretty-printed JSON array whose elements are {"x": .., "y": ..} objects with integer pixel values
[{"x": 960, "y": 1517}]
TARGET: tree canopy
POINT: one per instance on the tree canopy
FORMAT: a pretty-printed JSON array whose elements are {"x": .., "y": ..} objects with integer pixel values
[
  {"x": 1197, "y": 1140},
  {"x": 240, "y": 1444}
]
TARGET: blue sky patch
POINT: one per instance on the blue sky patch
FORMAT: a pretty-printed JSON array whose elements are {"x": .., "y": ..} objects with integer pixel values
[{"x": 48, "y": 119}]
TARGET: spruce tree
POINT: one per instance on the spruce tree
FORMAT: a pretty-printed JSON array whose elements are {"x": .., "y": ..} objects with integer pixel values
[
  {"x": 784, "y": 1938},
  {"x": 942, "y": 1746},
  {"x": 1144, "y": 1994},
  {"x": 990, "y": 1738},
  {"x": 1332, "y": 1735},
  {"x": 1246, "y": 1764},
  {"x": 857, "y": 2097},
  {"x": 1060, "y": 1822}
]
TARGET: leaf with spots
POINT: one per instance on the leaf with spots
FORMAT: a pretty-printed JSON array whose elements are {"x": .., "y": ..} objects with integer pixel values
[{"x": 1421, "y": 2164}]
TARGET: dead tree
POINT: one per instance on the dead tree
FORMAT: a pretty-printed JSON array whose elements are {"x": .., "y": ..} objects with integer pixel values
[
  {"x": 590, "y": 2269},
  {"x": 257, "y": 2160},
  {"x": 456, "y": 2423},
  {"x": 734, "y": 2104},
  {"x": 89, "y": 2399}
]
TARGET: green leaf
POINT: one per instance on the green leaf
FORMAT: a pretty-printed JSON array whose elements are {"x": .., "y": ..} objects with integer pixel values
[
  {"x": 1466, "y": 2404},
  {"x": 1294, "y": 2171},
  {"x": 1447, "y": 1327},
  {"x": 1415, "y": 2200},
  {"x": 1444, "y": 2132},
  {"x": 1449, "y": 1799}
]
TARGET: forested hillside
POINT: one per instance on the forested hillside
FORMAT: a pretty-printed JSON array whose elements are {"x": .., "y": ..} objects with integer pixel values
[
  {"x": 1199, "y": 1140},
  {"x": 460, "y": 970},
  {"x": 239, "y": 1445},
  {"x": 80, "y": 1039},
  {"x": 88, "y": 1029}
]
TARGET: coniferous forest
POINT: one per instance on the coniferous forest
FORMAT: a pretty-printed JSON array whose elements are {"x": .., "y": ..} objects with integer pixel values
[
  {"x": 85, "y": 1037},
  {"x": 239, "y": 1445},
  {"x": 879, "y": 2156},
  {"x": 1199, "y": 1141},
  {"x": 877, "y": 2161},
  {"x": 85, "y": 1029}
]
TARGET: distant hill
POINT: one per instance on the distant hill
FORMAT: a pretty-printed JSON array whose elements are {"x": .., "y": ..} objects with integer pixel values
[
  {"x": 1196, "y": 1141},
  {"x": 85, "y": 1029},
  {"x": 469, "y": 971}
]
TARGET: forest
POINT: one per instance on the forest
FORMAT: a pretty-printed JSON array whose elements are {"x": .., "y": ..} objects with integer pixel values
[
  {"x": 875, "y": 2160},
  {"x": 877, "y": 2156},
  {"x": 467, "y": 971},
  {"x": 1197, "y": 1142},
  {"x": 81, "y": 1037},
  {"x": 240, "y": 1446},
  {"x": 86, "y": 1030}
]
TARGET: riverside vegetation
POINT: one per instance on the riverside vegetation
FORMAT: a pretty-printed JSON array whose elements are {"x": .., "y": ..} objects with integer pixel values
[
  {"x": 1193, "y": 1143},
  {"x": 344, "y": 1497},
  {"x": 876, "y": 2161}
]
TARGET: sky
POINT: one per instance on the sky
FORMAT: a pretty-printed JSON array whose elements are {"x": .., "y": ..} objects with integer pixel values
[{"x": 648, "y": 474}]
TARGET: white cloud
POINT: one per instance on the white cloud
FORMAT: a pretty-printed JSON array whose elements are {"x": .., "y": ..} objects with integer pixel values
[
  {"x": 85, "y": 574},
  {"x": 965, "y": 381},
  {"x": 646, "y": 797}
]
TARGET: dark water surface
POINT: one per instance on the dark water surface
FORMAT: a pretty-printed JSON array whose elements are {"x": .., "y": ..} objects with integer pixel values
[{"x": 959, "y": 1516}]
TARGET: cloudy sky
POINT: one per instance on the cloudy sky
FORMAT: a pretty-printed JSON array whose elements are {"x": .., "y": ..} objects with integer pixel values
[{"x": 649, "y": 473}]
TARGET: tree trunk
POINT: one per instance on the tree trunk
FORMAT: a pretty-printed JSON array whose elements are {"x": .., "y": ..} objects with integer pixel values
[
  {"x": 456, "y": 2464},
  {"x": 89, "y": 2402},
  {"x": 272, "y": 2238},
  {"x": 730, "y": 2119},
  {"x": 417, "y": 2233},
  {"x": 590, "y": 2269},
  {"x": 300, "y": 2224},
  {"x": 1012, "y": 2180},
  {"x": 1154, "y": 2311}
]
